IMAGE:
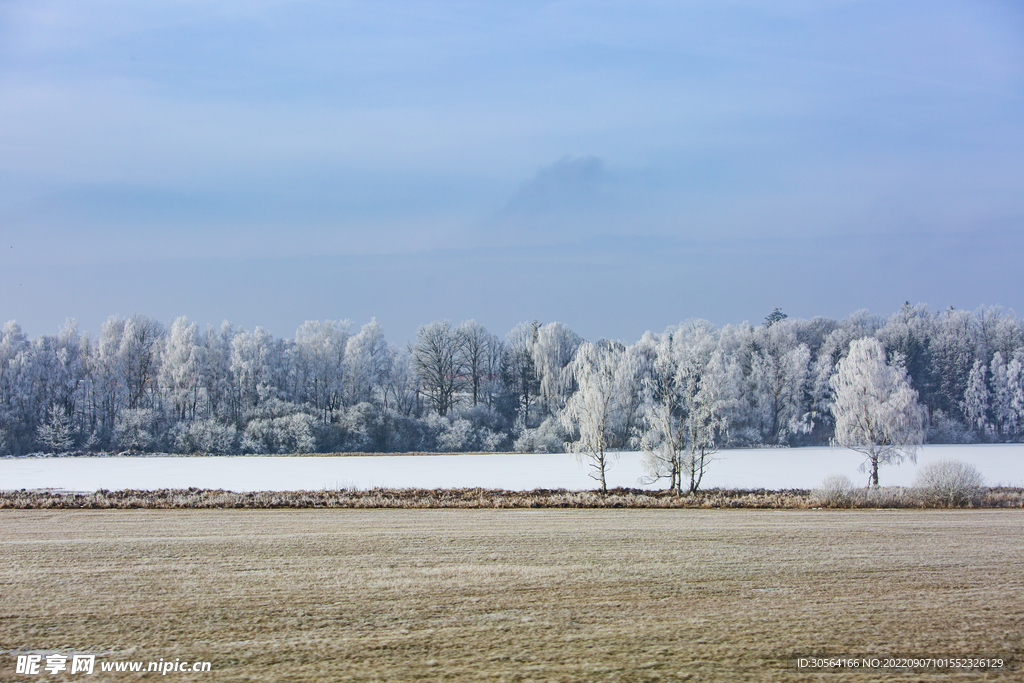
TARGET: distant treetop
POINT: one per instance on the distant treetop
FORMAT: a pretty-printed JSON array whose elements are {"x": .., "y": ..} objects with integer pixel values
[{"x": 775, "y": 316}]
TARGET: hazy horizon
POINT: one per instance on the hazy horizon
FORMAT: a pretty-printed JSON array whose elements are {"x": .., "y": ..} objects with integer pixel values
[{"x": 614, "y": 168}]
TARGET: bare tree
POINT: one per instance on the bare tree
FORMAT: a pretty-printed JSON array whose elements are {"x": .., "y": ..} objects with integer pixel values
[
  {"x": 518, "y": 371},
  {"x": 437, "y": 360},
  {"x": 476, "y": 345}
]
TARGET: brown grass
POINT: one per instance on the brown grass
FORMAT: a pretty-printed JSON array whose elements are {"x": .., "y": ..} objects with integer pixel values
[
  {"x": 890, "y": 497},
  {"x": 514, "y": 595}
]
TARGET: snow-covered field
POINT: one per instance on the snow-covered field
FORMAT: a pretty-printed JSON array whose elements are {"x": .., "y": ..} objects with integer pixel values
[{"x": 747, "y": 469}]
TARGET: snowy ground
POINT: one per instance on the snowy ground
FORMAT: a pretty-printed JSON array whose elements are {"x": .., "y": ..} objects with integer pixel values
[{"x": 746, "y": 469}]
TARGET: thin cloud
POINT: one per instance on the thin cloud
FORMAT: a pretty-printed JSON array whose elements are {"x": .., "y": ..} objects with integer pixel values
[{"x": 569, "y": 183}]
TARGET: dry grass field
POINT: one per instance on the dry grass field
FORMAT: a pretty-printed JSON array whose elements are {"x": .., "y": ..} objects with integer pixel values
[{"x": 513, "y": 595}]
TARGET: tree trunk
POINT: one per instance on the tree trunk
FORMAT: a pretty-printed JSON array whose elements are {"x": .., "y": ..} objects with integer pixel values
[{"x": 604, "y": 485}]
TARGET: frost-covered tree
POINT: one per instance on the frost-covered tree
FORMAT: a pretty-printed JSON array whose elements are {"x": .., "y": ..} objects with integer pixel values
[
  {"x": 55, "y": 432},
  {"x": 221, "y": 398},
  {"x": 690, "y": 390},
  {"x": 476, "y": 345},
  {"x": 976, "y": 399},
  {"x": 827, "y": 355},
  {"x": 952, "y": 351},
  {"x": 180, "y": 365},
  {"x": 1001, "y": 399},
  {"x": 606, "y": 376},
  {"x": 320, "y": 355},
  {"x": 876, "y": 411},
  {"x": 908, "y": 334},
  {"x": 996, "y": 331},
  {"x": 252, "y": 367},
  {"x": 663, "y": 435},
  {"x": 367, "y": 361},
  {"x": 438, "y": 362},
  {"x": 552, "y": 351},
  {"x": 778, "y": 385},
  {"x": 141, "y": 341},
  {"x": 399, "y": 386},
  {"x": 1014, "y": 424},
  {"x": 204, "y": 437},
  {"x": 709, "y": 416},
  {"x": 519, "y": 371},
  {"x": 19, "y": 413},
  {"x": 280, "y": 434},
  {"x": 776, "y": 316}
]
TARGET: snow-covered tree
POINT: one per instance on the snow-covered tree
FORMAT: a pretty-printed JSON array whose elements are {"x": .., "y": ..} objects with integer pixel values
[
  {"x": 606, "y": 376},
  {"x": 141, "y": 341},
  {"x": 367, "y": 361},
  {"x": 876, "y": 411},
  {"x": 284, "y": 434},
  {"x": 180, "y": 364},
  {"x": 19, "y": 413},
  {"x": 519, "y": 371},
  {"x": 320, "y": 356},
  {"x": 55, "y": 432},
  {"x": 552, "y": 351},
  {"x": 1014, "y": 424},
  {"x": 976, "y": 399},
  {"x": 779, "y": 384},
  {"x": 690, "y": 391},
  {"x": 908, "y": 334},
  {"x": 215, "y": 370},
  {"x": 1001, "y": 400},
  {"x": 252, "y": 366},
  {"x": 952, "y": 351},
  {"x": 663, "y": 437}
]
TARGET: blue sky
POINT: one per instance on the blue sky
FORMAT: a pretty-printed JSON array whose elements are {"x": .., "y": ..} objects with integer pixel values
[{"x": 615, "y": 166}]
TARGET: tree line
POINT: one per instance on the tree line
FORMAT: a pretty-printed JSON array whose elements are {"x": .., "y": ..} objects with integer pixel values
[{"x": 141, "y": 386}]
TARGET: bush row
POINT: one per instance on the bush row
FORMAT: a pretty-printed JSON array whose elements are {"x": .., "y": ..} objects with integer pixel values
[{"x": 889, "y": 497}]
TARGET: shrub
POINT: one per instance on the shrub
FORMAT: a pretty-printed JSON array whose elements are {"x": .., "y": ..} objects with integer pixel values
[
  {"x": 454, "y": 436},
  {"x": 836, "y": 491},
  {"x": 948, "y": 482},
  {"x": 204, "y": 436},
  {"x": 549, "y": 437},
  {"x": 947, "y": 429},
  {"x": 291, "y": 434},
  {"x": 133, "y": 428}
]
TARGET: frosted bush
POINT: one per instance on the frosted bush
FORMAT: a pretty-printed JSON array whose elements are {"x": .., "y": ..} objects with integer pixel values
[
  {"x": 455, "y": 436},
  {"x": 204, "y": 436},
  {"x": 946, "y": 429},
  {"x": 291, "y": 434},
  {"x": 354, "y": 428},
  {"x": 491, "y": 441},
  {"x": 948, "y": 482},
  {"x": 133, "y": 428},
  {"x": 549, "y": 437},
  {"x": 836, "y": 491}
]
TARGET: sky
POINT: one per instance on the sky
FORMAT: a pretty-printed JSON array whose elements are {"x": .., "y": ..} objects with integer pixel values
[{"x": 618, "y": 167}]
